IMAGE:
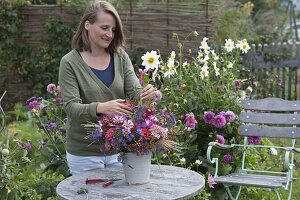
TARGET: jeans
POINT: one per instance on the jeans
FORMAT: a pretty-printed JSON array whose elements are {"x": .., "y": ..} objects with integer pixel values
[{"x": 79, "y": 164}]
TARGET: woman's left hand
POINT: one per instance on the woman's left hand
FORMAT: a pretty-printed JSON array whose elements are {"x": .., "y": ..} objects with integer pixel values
[{"x": 149, "y": 92}]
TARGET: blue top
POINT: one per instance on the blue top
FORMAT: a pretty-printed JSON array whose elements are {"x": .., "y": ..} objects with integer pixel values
[{"x": 107, "y": 75}]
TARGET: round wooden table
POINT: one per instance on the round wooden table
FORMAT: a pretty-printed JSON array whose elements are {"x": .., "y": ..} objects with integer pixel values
[{"x": 166, "y": 182}]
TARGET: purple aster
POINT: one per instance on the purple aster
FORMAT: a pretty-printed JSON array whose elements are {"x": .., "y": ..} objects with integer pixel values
[
  {"x": 97, "y": 134},
  {"x": 230, "y": 116},
  {"x": 142, "y": 72},
  {"x": 209, "y": 117},
  {"x": 27, "y": 146},
  {"x": 118, "y": 119},
  {"x": 52, "y": 125},
  {"x": 128, "y": 125},
  {"x": 219, "y": 121},
  {"x": 227, "y": 158},
  {"x": 51, "y": 88},
  {"x": 41, "y": 143},
  {"x": 220, "y": 139},
  {"x": 33, "y": 104},
  {"x": 254, "y": 139},
  {"x": 59, "y": 101}
]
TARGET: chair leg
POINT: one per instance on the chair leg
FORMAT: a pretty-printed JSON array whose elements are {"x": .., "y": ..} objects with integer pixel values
[
  {"x": 277, "y": 194},
  {"x": 290, "y": 190},
  {"x": 230, "y": 194}
]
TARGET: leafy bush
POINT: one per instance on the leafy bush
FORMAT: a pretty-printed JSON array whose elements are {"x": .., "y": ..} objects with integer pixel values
[{"x": 207, "y": 83}]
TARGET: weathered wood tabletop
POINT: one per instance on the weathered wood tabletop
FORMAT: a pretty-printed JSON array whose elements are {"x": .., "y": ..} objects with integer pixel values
[{"x": 166, "y": 182}]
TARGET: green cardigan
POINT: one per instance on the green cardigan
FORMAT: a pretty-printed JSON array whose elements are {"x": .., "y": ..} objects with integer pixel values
[{"x": 81, "y": 92}]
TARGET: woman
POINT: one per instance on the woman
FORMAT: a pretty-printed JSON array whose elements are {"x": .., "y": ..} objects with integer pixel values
[{"x": 95, "y": 78}]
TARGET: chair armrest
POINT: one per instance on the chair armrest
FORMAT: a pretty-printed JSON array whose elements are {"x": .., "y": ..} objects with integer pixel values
[
  {"x": 221, "y": 146},
  {"x": 215, "y": 160},
  {"x": 297, "y": 150}
]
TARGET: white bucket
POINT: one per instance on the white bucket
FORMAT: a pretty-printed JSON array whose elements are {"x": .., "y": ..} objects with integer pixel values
[{"x": 137, "y": 168}]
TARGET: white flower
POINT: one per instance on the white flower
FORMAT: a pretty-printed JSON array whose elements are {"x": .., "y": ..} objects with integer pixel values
[
  {"x": 204, "y": 60},
  {"x": 150, "y": 60},
  {"x": 171, "y": 70},
  {"x": 217, "y": 71},
  {"x": 230, "y": 65},
  {"x": 182, "y": 160},
  {"x": 204, "y": 45},
  {"x": 195, "y": 33},
  {"x": 273, "y": 151},
  {"x": 172, "y": 55},
  {"x": 249, "y": 89},
  {"x": 198, "y": 162},
  {"x": 243, "y": 46},
  {"x": 184, "y": 64},
  {"x": 229, "y": 45},
  {"x": 204, "y": 73}
]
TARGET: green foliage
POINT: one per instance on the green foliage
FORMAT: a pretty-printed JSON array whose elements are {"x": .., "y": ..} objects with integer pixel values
[
  {"x": 235, "y": 22},
  {"x": 19, "y": 112},
  {"x": 44, "y": 68},
  {"x": 50, "y": 118},
  {"x": 13, "y": 164},
  {"x": 11, "y": 36},
  {"x": 205, "y": 83}
]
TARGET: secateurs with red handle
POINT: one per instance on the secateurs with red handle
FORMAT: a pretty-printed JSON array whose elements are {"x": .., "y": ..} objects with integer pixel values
[{"x": 106, "y": 181}]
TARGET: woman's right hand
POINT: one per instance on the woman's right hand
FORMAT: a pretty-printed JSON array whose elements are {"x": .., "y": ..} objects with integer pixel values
[{"x": 117, "y": 106}]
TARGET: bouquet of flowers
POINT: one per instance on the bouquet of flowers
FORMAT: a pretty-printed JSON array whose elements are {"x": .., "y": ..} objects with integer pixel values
[{"x": 145, "y": 130}]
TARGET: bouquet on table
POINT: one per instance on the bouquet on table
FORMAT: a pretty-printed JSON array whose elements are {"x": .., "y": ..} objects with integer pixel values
[{"x": 145, "y": 130}]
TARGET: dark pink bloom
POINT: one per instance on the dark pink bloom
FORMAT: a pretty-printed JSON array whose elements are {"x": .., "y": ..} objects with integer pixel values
[
  {"x": 220, "y": 139},
  {"x": 209, "y": 117},
  {"x": 230, "y": 116},
  {"x": 219, "y": 121},
  {"x": 223, "y": 113},
  {"x": 149, "y": 112},
  {"x": 227, "y": 158},
  {"x": 254, "y": 139},
  {"x": 190, "y": 121},
  {"x": 238, "y": 84}
]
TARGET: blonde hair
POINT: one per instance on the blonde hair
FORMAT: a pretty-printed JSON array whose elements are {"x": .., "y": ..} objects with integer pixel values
[{"x": 81, "y": 40}]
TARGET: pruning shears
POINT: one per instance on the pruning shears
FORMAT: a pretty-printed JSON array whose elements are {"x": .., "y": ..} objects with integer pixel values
[{"x": 106, "y": 181}]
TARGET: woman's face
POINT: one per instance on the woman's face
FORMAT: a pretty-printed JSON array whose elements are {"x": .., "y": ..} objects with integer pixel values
[{"x": 102, "y": 32}]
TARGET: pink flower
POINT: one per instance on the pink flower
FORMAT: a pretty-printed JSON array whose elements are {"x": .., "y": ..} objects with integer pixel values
[
  {"x": 209, "y": 117},
  {"x": 190, "y": 121},
  {"x": 158, "y": 131},
  {"x": 254, "y": 139},
  {"x": 51, "y": 88},
  {"x": 230, "y": 116},
  {"x": 227, "y": 158},
  {"x": 211, "y": 181},
  {"x": 219, "y": 121},
  {"x": 220, "y": 139}
]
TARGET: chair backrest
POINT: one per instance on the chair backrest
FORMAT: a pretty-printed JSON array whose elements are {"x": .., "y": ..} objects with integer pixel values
[{"x": 270, "y": 117}]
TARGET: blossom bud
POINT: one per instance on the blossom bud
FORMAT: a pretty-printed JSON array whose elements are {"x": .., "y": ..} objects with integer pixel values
[{"x": 5, "y": 152}]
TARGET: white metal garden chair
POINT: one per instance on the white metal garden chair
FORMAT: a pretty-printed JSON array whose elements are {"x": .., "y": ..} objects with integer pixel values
[{"x": 269, "y": 117}]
